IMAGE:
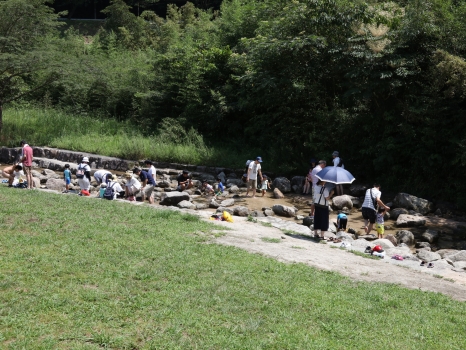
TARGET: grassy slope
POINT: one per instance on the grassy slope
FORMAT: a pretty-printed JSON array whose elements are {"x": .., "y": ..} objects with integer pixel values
[{"x": 82, "y": 273}]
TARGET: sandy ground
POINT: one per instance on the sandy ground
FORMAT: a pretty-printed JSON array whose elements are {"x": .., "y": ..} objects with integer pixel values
[{"x": 298, "y": 249}]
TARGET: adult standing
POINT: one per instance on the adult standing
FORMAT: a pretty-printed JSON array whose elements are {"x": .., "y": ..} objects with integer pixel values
[
  {"x": 27, "y": 163},
  {"x": 83, "y": 173},
  {"x": 147, "y": 184},
  {"x": 322, "y": 213},
  {"x": 338, "y": 162},
  {"x": 322, "y": 164},
  {"x": 102, "y": 176},
  {"x": 151, "y": 170},
  {"x": 308, "y": 184},
  {"x": 369, "y": 207},
  {"x": 254, "y": 169}
]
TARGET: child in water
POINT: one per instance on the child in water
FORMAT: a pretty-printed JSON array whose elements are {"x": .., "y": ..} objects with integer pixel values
[
  {"x": 264, "y": 185},
  {"x": 379, "y": 226}
]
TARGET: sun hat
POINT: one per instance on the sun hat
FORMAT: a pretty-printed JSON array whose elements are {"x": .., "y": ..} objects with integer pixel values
[
  {"x": 259, "y": 159},
  {"x": 85, "y": 159},
  {"x": 114, "y": 177},
  {"x": 335, "y": 154},
  {"x": 129, "y": 174},
  {"x": 377, "y": 248}
]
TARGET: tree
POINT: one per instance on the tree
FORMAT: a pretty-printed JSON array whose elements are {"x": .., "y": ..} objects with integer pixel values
[{"x": 25, "y": 56}]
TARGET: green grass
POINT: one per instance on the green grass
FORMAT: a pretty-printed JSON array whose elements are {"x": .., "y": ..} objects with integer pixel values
[
  {"x": 109, "y": 137},
  {"x": 271, "y": 240},
  {"x": 364, "y": 255},
  {"x": 80, "y": 273}
]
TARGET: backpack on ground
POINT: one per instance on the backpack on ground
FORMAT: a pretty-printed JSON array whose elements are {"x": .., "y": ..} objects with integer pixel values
[
  {"x": 109, "y": 192},
  {"x": 80, "y": 173}
]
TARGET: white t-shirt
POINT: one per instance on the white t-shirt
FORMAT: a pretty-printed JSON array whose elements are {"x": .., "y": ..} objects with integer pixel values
[
  {"x": 18, "y": 174},
  {"x": 253, "y": 170},
  {"x": 133, "y": 182},
  {"x": 116, "y": 188},
  {"x": 84, "y": 166},
  {"x": 152, "y": 171},
  {"x": 320, "y": 198},
  {"x": 99, "y": 174},
  {"x": 368, "y": 203},
  {"x": 336, "y": 161},
  {"x": 313, "y": 174}
]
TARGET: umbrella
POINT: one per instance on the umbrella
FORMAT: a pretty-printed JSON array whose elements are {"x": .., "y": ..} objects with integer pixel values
[{"x": 336, "y": 175}]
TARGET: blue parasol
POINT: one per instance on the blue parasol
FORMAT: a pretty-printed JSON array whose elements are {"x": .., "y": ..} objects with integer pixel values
[{"x": 336, "y": 175}]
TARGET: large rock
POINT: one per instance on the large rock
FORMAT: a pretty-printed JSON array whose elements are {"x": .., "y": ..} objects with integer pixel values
[
  {"x": 358, "y": 190},
  {"x": 398, "y": 251},
  {"x": 392, "y": 239},
  {"x": 394, "y": 213},
  {"x": 173, "y": 198},
  {"x": 407, "y": 201},
  {"x": 385, "y": 243},
  {"x": 186, "y": 205},
  {"x": 460, "y": 256},
  {"x": 269, "y": 212},
  {"x": 460, "y": 265},
  {"x": 283, "y": 210},
  {"x": 213, "y": 203},
  {"x": 339, "y": 202},
  {"x": 404, "y": 236},
  {"x": 235, "y": 182},
  {"x": 50, "y": 174},
  {"x": 297, "y": 183},
  {"x": 430, "y": 236},
  {"x": 227, "y": 202},
  {"x": 277, "y": 194},
  {"x": 163, "y": 184},
  {"x": 428, "y": 256},
  {"x": 405, "y": 220},
  {"x": 283, "y": 184},
  {"x": 55, "y": 184},
  {"x": 222, "y": 177},
  {"x": 228, "y": 210},
  {"x": 445, "y": 252},
  {"x": 241, "y": 211},
  {"x": 233, "y": 189}
]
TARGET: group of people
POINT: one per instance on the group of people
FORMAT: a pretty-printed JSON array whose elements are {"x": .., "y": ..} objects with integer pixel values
[
  {"x": 373, "y": 209},
  {"x": 253, "y": 170},
  {"x": 20, "y": 173}
]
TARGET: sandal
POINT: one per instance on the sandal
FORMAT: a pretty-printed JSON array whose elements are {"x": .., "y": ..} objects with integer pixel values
[
  {"x": 331, "y": 239},
  {"x": 423, "y": 263},
  {"x": 430, "y": 265}
]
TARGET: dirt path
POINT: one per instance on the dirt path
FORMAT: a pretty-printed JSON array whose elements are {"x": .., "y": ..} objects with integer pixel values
[{"x": 249, "y": 236}]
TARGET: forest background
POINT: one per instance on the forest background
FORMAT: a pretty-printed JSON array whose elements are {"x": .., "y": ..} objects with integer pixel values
[{"x": 382, "y": 82}]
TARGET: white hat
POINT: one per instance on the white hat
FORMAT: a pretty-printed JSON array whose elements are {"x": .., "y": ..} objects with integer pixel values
[{"x": 85, "y": 159}]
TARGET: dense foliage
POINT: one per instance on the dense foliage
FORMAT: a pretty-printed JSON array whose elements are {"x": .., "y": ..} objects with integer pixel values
[{"x": 382, "y": 82}]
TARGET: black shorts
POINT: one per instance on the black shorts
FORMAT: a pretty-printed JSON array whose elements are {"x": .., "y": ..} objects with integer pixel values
[
  {"x": 342, "y": 224},
  {"x": 321, "y": 218},
  {"x": 369, "y": 214}
]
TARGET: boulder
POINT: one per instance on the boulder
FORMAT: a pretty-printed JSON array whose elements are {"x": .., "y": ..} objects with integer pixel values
[
  {"x": 173, "y": 198},
  {"x": 430, "y": 236},
  {"x": 269, "y": 212},
  {"x": 392, "y": 239},
  {"x": 233, "y": 189},
  {"x": 385, "y": 243},
  {"x": 228, "y": 210},
  {"x": 344, "y": 236},
  {"x": 407, "y": 201},
  {"x": 459, "y": 256},
  {"x": 222, "y": 177},
  {"x": 445, "y": 252},
  {"x": 358, "y": 190},
  {"x": 422, "y": 245},
  {"x": 207, "y": 177},
  {"x": 241, "y": 211},
  {"x": 398, "y": 251},
  {"x": 186, "y": 205},
  {"x": 201, "y": 206},
  {"x": 369, "y": 237},
  {"x": 235, "y": 182},
  {"x": 297, "y": 183},
  {"x": 405, "y": 220},
  {"x": 394, "y": 213},
  {"x": 277, "y": 194},
  {"x": 428, "y": 256},
  {"x": 308, "y": 221},
  {"x": 36, "y": 182},
  {"x": 283, "y": 210},
  {"x": 257, "y": 214},
  {"x": 55, "y": 184},
  {"x": 163, "y": 184},
  {"x": 405, "y": 237},
  {"x": 340, "y": 202},
  {"x": 227, "y": 202},
  {"x": 460, "y": 265},
  {"x": 356, "y": 202},
  {"x": 282, "y": 183},
  {"x": 51, "y": 174},
  {"x": 213, "y": 203}
]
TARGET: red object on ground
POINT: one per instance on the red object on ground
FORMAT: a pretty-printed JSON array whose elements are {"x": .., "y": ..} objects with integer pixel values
[{"x": 377, "y": 248}]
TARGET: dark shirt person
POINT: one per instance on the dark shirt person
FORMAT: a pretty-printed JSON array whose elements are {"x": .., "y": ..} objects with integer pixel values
[
  {"x": 184, "y": 181},
  {"x": 147, "y": 184}
]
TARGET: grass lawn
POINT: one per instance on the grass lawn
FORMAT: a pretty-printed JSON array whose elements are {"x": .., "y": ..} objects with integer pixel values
[{"x": 80, "y": 273}]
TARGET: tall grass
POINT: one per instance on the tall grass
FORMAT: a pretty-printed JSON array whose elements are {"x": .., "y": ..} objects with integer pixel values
[{"x": 56, "y": 128}]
